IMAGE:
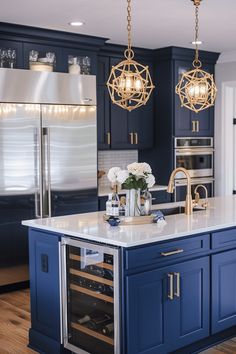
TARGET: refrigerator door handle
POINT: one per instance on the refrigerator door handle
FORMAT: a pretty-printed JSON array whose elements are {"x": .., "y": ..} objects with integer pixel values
[
  {"x": 49, "y": 173},
  {"x": 40, "y": 214}
]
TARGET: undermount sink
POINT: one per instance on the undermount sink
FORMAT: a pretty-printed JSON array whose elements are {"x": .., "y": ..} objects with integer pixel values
[{"x": 176, "y": 210}]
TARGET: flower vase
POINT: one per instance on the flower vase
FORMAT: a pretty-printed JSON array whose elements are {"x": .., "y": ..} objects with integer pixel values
[{"x": 133, "y": 202}]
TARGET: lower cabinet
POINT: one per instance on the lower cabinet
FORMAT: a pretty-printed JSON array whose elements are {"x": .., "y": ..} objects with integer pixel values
[
  {"x": 223, "y": 291},
  {"x": 167, "y": 308}
]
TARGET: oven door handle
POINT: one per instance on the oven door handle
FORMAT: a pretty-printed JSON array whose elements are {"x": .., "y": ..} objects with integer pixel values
[{"x": 194, "y": 152}]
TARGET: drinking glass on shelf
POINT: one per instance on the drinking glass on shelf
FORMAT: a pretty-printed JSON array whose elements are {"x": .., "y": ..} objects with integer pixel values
[
  {"x": 3, "y": 57},
  {"x": 50, "y": 58},
  {"x": 33, "y": 55},
  {"x": 86, "y": 65},
  {"x": 11, "y": 57}
]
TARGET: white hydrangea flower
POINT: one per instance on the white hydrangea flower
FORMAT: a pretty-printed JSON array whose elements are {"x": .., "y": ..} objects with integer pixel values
[
  {"x": 122, "y": 176},
  {"x": 136, "y": 169},
  {"x": 112, "y": 174},
  {"x": 150, "y": 180},
  {"x": 146, "y": 167}
]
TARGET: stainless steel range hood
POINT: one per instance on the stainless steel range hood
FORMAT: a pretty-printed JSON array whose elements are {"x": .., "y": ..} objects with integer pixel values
[{"x": 26, "y": 86}]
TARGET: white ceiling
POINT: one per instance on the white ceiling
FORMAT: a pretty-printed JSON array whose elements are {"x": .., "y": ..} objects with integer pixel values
[{"x": 155, "y": 23}]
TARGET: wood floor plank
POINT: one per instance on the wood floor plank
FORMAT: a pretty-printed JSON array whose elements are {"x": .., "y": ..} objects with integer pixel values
[{"x": 14, "y": 322}]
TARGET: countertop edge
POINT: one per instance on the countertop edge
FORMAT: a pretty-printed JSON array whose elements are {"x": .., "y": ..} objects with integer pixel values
[{"x": 99, "y": 239}]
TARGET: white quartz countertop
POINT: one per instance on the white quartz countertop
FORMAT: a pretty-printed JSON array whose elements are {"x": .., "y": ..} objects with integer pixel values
[
  {"x": 104, "y": 191},
  {"x": 220, "y": 214}
]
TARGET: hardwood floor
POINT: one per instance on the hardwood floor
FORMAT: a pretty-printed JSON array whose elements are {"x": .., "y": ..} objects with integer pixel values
[{"x": 15, "y": 322}]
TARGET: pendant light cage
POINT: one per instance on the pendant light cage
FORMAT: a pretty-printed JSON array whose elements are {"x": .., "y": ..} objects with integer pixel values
[
  {"x": 196, "y": 88},
  {"x": 129, "y": 84}
]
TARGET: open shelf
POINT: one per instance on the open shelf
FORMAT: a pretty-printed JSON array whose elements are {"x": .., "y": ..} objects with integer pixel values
[
  {"x": 91, "y": 293},
  {"x": 91, "y": 277},
  {"x": 92, "y": 333},
  {"x": 102, "y": 265}
]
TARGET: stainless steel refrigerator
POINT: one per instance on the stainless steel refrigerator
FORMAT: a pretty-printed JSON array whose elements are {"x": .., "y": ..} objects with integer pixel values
[{"x": 48, "y": 156}]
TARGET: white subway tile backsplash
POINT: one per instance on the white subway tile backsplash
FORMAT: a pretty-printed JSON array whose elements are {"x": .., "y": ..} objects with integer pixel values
[{"x": 119, "y": 158}]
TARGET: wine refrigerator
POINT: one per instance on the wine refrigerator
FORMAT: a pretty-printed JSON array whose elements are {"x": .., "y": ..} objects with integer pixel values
[{"x": 90, "y": 297}]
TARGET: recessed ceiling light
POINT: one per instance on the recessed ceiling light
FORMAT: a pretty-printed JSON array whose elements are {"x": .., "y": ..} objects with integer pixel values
[
  {"x": 196, "y": 42},
  {"x": 76, "y": 23}
]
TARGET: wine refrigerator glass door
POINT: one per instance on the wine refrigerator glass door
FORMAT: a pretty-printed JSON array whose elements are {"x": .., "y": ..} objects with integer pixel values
[{"x": 90, "y": 298}]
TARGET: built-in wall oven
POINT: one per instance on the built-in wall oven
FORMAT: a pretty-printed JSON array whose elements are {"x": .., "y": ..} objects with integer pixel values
[{"x": 197, "y": 156}]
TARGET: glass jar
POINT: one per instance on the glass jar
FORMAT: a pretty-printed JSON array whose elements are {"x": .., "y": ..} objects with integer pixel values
[{"x": 146, "y": 203}]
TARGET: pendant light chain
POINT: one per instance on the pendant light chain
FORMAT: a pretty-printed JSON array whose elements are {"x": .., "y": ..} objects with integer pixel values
[
  {"x": 129, "y": 22},
  {"x": 197, "y": 62},
  {"x": 196, "y": 32},
  {"x": 129, "y": 54}
]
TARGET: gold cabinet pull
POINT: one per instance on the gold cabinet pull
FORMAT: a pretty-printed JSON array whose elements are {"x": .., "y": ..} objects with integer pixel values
[
  {"x": 193, "y": 126},
  {"x": 136, "y": 138},
  {"x": 177, "y": 292},
  {"x": 108, "y": 138},
  {"x": 171, "y": 253},
  {"x": 197, "y": 124},
  {"x": 171, "y": 286},
  {"x": 131, "y": 138}
]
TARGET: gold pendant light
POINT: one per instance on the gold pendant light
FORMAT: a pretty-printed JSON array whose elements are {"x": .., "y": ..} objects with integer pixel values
[
  {"x": 129, "y": 84},
  {"x": 196, "y": 89}
]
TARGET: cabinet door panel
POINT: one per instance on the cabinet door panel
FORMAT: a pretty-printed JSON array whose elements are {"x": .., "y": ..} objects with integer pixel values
[
  {"x": 182, "y": 118},
  {"x": 191, "y": 313},
  {"x": 103, "y": 70},
  {"x": 194, "y": 300},
  {"x": 145, "y": 311},
  {"x": 103, "y": 118},
  {"x": 119, "y": 122},
  {"x": 141, "y": 124},
  {"x": 187, "y": 122},
  {"x": 223, "y": 291}
]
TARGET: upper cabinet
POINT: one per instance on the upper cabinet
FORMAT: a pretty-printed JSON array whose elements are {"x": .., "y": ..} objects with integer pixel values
[
  {"x": 186, "y": 122},
  {"x": 42, "y": 46},
  {"x": 118, "y": 128}
]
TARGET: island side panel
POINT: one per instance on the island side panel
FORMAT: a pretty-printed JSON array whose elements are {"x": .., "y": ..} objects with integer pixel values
[{"x": 45, "y": 332}]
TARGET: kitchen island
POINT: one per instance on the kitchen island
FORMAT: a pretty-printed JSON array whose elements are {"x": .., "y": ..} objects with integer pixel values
[{"x": 162, "y": 288}]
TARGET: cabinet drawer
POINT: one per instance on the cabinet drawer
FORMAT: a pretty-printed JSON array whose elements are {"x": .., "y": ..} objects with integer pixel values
[
  {"x": 221, "y": 239},
  {"x": 164, "y": 252}
]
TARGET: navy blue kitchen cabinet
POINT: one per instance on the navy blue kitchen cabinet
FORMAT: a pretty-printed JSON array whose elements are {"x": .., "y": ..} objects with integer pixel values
[
  {"x": 167, "y": 299},
  {"x": 118, "y": 128},
  {"x": 223, "y": 291},
  {"x": 103, "y": 70},
  {"x": 161, "y": 319},
  {"x": 103, "y": 118},
  {"x": 186, "y": 122},
  {"x": 45, "y": 332},
  {"x": 172, "y": 120}
]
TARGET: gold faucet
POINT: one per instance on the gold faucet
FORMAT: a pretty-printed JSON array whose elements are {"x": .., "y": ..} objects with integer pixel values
[
  {"x": 170, "y": 189},
  {"x": 197, "y": 196}
]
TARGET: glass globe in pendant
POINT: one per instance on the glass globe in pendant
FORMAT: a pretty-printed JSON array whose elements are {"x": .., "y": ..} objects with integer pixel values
[{"x": 197, "y": 92}]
